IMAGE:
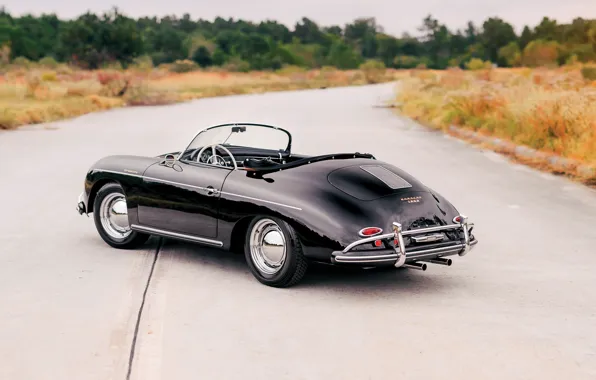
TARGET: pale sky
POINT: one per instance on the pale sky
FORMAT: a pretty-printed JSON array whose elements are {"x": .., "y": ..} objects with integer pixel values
[{"x": 396, "y": 16}]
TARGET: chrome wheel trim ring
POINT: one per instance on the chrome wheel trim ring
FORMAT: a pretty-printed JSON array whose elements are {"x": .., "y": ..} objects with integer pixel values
[
  {"x": 268, "y": 249},
  {"x": 114, "y": 216}
]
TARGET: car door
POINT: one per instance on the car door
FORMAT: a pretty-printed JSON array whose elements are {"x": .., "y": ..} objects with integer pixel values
[{"x": 182, "y": 197}]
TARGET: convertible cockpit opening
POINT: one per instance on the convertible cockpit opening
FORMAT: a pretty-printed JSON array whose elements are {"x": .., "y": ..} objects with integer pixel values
[
  {"x": 232, "y": 145},
  {"x": 252, "y": 147}
]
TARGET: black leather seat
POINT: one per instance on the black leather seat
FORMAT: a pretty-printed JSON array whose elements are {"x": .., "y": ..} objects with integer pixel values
[{"x": 256, "y": 164}]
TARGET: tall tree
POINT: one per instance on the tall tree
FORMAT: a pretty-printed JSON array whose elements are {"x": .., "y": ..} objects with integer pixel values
[{"x": 496, "y": 33}]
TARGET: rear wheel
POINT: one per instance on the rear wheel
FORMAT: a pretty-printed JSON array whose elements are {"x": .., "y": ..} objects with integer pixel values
[
  {"x": 274, "y": 253},
  {"x": 111, "y": 218}
]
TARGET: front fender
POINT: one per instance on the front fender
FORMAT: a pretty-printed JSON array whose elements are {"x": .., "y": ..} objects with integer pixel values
[{"x": 124, "y": 169}]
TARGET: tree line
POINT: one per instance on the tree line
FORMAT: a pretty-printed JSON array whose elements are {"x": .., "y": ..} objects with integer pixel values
[{"x": 93, "y": 40}]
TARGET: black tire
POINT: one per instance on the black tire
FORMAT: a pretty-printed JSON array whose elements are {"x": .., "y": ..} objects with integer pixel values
[
  {"x": 295, "y": 264},
  {"x": 130, "y": 239}
]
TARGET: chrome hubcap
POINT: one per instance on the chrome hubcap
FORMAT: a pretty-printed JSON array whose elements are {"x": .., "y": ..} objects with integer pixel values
[
  {"x": 114, "y": 216},
  {"x": 267, "y": 247}
]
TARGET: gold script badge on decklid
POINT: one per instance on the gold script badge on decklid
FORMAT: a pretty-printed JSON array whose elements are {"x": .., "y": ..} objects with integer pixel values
[{"x": 412, "y": 199}]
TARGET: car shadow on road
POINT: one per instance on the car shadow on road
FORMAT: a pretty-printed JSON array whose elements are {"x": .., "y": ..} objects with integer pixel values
[{"x": 436, "y": 279}]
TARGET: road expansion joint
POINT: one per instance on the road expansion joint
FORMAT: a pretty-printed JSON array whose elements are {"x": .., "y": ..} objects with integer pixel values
[{"x": 140, "y": 313}]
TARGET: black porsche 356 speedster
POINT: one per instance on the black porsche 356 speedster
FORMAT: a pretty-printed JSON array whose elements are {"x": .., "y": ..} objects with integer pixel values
[{"x": 239, "y": 187}]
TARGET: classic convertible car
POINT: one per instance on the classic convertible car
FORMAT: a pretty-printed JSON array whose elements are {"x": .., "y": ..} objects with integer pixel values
[{"x": 239, "y": 187}]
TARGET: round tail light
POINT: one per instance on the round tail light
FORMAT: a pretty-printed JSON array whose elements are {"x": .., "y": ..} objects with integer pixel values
[{"x": 370, "y": 231}]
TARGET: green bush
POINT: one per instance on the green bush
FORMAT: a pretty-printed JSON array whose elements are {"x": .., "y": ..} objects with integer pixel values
[
  {"x": 143, "y": 63},
  {"x": 48, "y": 62},
  {"x": 589, "y": 72},
  {"x": 291, "y": 69},
  {"x": 21, "y": 62},
  {"x": 374, "y": 71},
  {"x": 49, "y": 76},
  {"x": 478, "y": 64},
  {"x": 183, "y": 66},
  {"x": 236, "y": 64}
]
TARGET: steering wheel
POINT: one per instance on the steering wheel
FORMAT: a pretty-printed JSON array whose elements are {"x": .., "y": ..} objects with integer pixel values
[{"x": 215, "y": 159}]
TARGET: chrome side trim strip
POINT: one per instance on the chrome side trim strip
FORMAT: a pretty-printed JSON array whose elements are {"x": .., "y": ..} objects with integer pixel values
[
  {"x": 116, "y": 172},
  {"x": 176, "y": 235},
  {"x": 177, "y": 183},
  {"x": 154, "y": 179},
  {"x": 261, "y": 200},
  {"x": 201, "y": 188}
]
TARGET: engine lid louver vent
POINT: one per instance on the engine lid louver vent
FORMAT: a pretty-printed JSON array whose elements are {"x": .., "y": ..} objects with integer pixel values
[{"x": 389, "y": 178}]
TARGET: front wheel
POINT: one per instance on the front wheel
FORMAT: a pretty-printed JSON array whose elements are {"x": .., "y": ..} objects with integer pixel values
[
  {"x": 111, "y": 218},
  {"x": 274, "y": 253}
]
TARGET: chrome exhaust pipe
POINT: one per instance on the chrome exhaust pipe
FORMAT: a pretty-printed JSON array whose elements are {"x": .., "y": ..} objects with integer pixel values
[
  {"x": 416, "y": 265},
  {"x": 441, "y": 261}
]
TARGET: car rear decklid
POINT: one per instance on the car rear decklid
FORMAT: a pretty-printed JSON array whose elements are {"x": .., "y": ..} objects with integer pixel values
[{"x": 368, "y": 182}]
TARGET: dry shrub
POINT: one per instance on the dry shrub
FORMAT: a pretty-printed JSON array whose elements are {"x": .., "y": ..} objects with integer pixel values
[
  {"x": 550, "y": 110},
  {"x": 563, "y": 123},
  {"x": 114, "y": 83},
  {"x": 34, "y": 82},
  {"x": 64, "y": 70},
  {"x": 51, "y": 91},
  {"x": 83, "y": 87},
  {"x": 39, "y": 95},
  {"x": 456, "y": 78},
  {"x": 39, "y": 112},
  {"x": 13, "y": 91},
  {"x": 141, "y": 94}
]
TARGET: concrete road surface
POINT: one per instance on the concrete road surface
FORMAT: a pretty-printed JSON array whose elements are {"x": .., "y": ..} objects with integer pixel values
[{"x": 521, "y": 305}]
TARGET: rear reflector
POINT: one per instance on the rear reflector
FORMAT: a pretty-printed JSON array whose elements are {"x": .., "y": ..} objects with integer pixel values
[
  {"x": 370, "y": 231},
  {"x": 378, "y": 243}
]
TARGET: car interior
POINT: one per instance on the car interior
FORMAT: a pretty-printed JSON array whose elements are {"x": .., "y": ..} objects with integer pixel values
[
  {"x": 253, "y": 159},
  {"x": 245, "y": 157},
  {"x": 259, "y": 160}
]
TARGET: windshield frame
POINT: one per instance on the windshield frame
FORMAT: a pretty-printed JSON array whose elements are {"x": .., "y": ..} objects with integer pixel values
[{"x": 286, "y": 150}]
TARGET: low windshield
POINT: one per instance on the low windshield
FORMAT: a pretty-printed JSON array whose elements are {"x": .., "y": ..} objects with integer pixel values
[{"x": 242, "y": 135}]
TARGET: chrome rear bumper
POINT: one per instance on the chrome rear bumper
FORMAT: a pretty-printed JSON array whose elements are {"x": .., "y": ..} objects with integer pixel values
[{"x": 398, "y": 255}]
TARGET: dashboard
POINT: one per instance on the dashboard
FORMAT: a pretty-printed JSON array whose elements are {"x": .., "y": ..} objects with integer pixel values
[{"x": 240, "y": 154}]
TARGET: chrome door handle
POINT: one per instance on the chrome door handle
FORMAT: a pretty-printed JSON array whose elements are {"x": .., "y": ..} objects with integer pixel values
[{"x": 212, "y": 191}]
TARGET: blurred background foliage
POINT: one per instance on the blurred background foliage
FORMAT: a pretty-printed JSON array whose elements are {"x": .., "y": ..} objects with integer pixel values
[{"x": 113, "y": 39}]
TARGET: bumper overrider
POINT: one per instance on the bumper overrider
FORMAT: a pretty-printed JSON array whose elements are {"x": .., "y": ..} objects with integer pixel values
[
  {"x": 399, "y": 256},
  {"x": 81, "y": 205}
]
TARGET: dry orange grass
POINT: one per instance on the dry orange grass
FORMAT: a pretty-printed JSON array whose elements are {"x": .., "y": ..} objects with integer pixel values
[
  {"x": 550, "y": 110},
  {"x": 35, "y": 96}
]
